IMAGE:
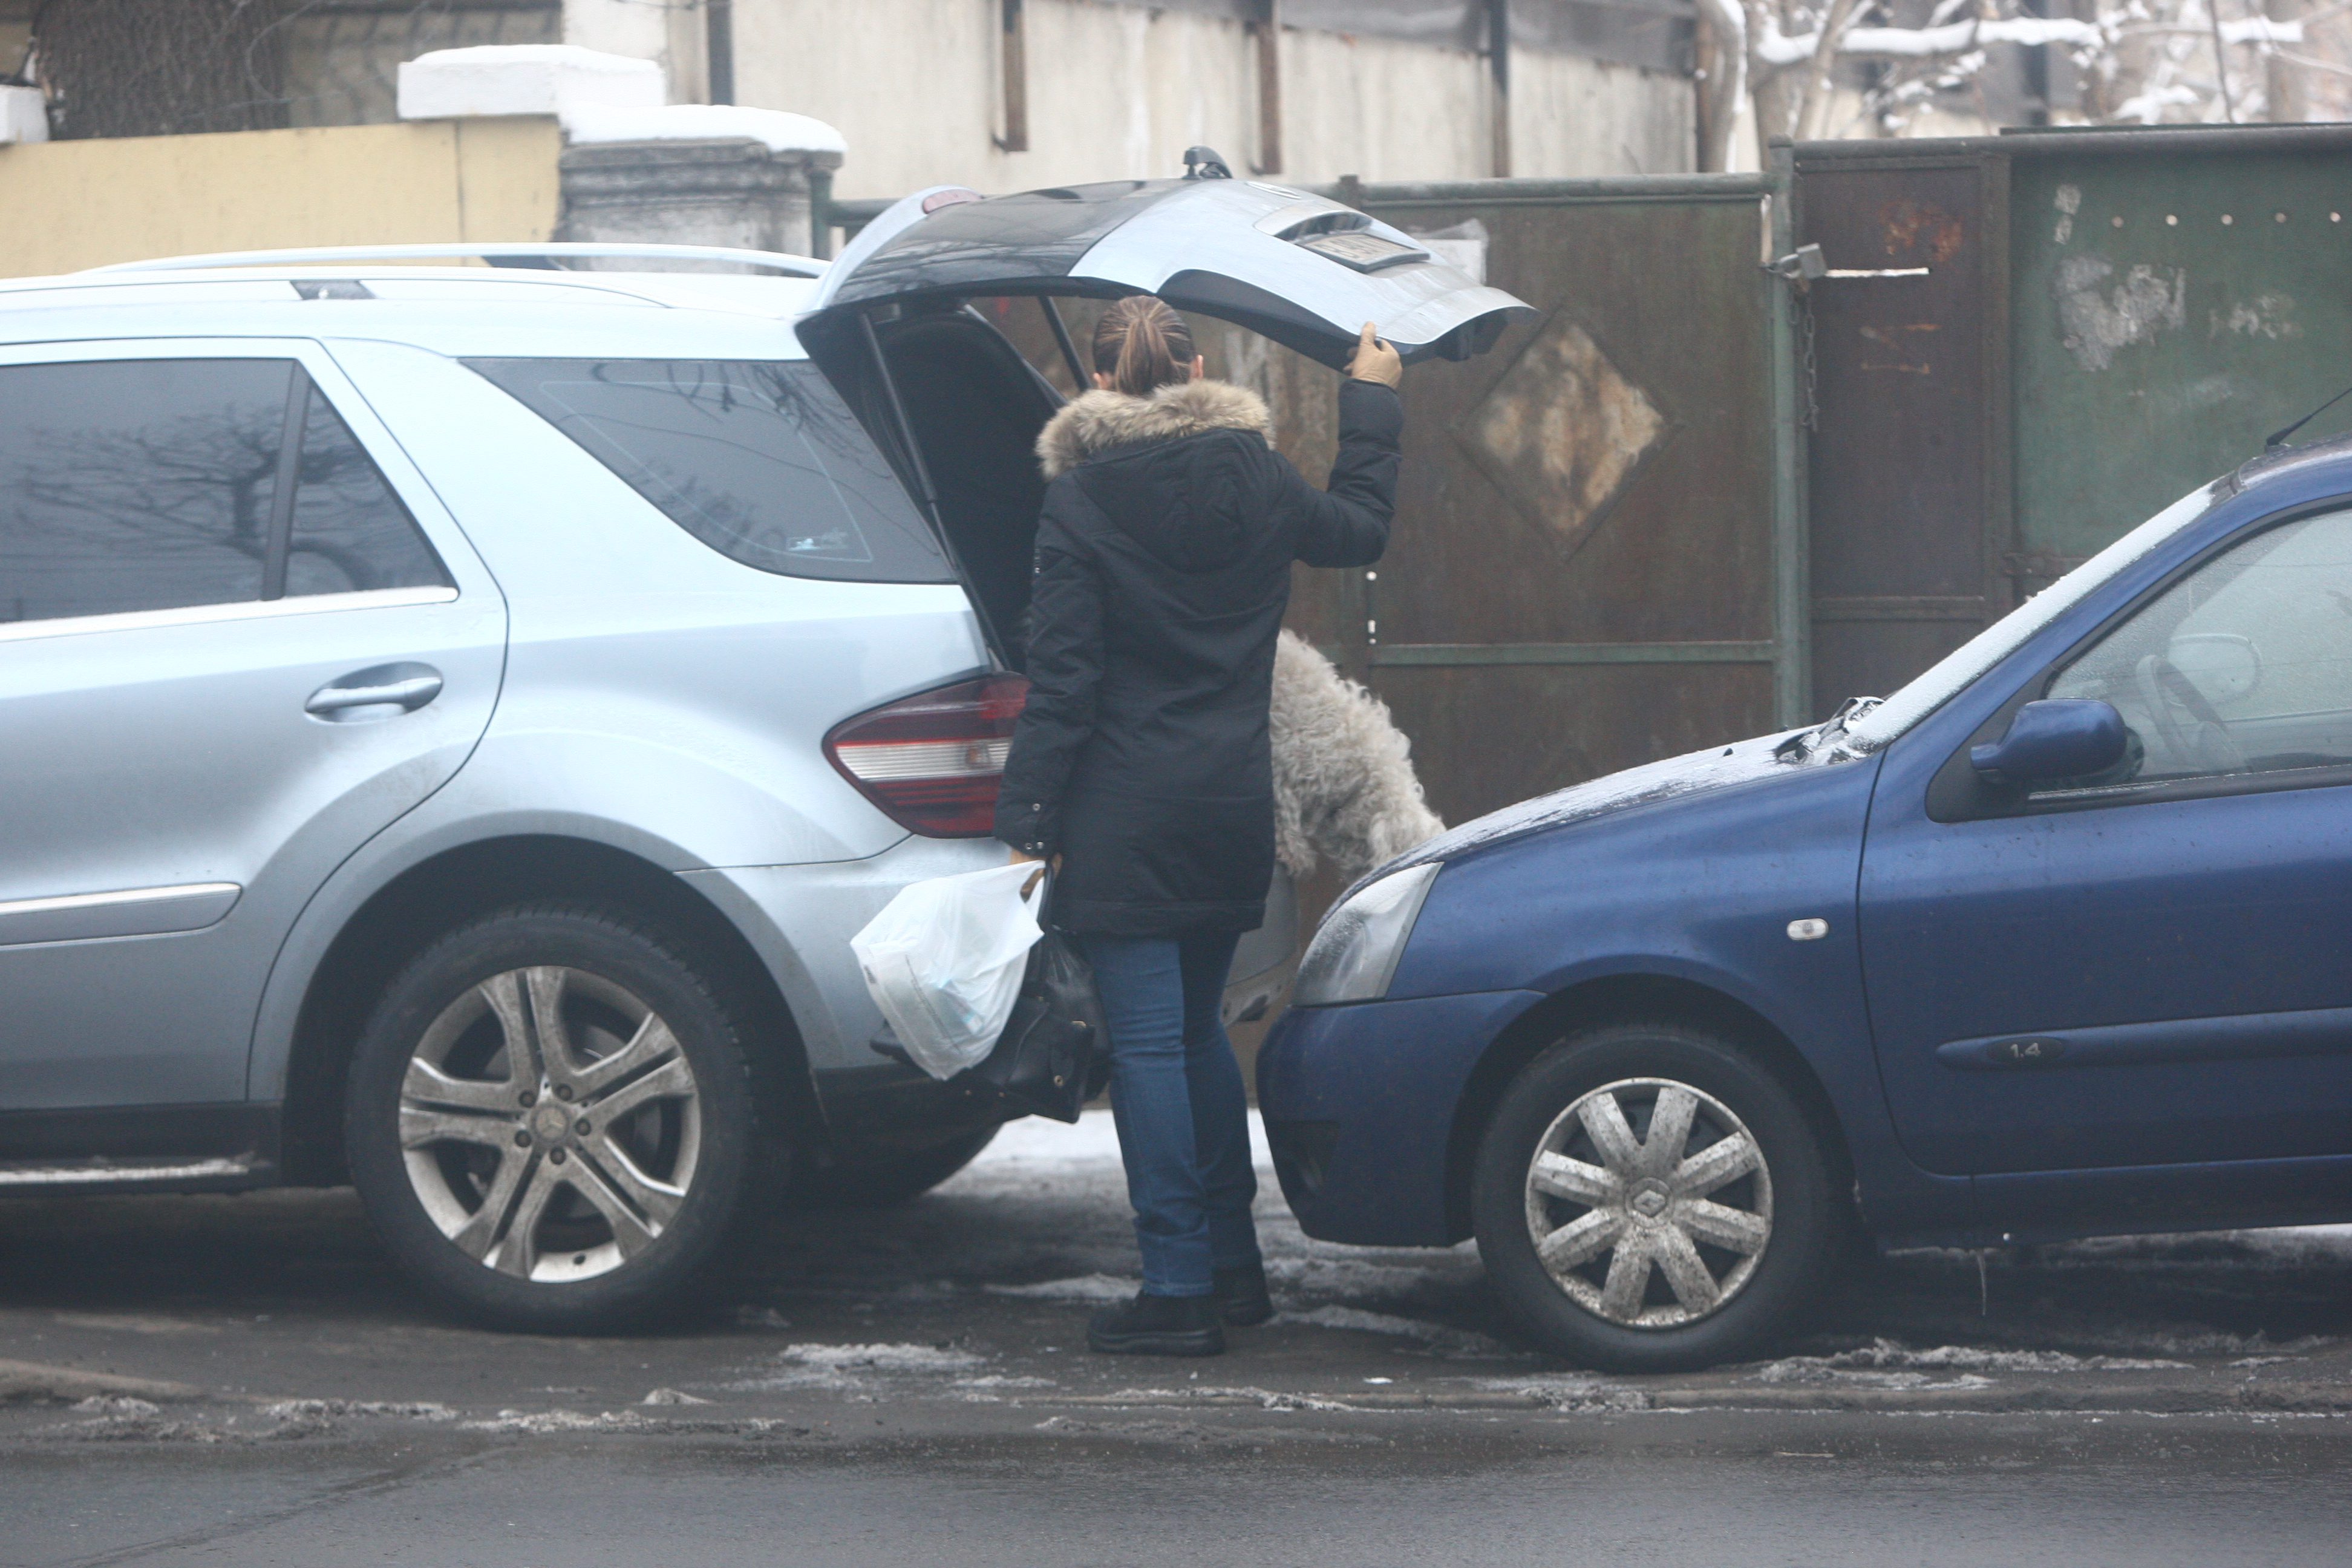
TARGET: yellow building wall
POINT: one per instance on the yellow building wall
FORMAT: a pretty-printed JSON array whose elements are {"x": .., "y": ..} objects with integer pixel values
[{"x": 66, "y": 205}]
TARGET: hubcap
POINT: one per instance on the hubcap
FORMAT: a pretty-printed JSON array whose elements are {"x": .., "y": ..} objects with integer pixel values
[
  {"x": 550, "y": 1123},
  {"x": 1649, "y": 1203}
]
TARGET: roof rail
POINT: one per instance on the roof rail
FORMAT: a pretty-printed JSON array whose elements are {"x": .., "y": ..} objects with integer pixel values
[{"x": 512, "y": 253}]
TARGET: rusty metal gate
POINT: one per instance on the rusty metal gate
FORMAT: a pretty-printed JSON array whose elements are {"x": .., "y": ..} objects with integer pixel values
[
  {"x": 2028, "y": 343},
  {"x": 1598, "y": 556},
  {"x": 1598, "y": 552}
]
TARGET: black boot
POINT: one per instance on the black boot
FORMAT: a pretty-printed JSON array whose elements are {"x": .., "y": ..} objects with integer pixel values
[
  {"x": 1240, "y": 1295},
  {"x": 1157, "y": 1325}
]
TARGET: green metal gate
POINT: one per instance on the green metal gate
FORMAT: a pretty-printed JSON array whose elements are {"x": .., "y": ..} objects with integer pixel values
[{"x": 2038, "y": 340}]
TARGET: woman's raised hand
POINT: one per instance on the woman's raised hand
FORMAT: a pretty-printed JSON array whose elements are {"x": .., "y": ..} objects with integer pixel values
[{"x": 1374, "y": 359}]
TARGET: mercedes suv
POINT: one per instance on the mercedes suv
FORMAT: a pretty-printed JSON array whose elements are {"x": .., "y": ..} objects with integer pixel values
[{"x": 452, "y": 718}]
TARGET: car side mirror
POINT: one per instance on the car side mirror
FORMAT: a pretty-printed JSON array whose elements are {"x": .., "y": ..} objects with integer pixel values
[{"x": 2065, "y": 738}]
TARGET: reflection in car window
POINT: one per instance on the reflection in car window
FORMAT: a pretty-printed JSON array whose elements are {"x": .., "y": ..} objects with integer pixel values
[
  {"x": 763, "y": 462},
  {"x": 350, "y": 533},
  {"x": 2244, "y": 666},
  {"x": 136, "y": 484}
]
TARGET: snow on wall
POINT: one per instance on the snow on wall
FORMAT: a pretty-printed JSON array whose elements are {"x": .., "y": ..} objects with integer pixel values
[
  {"x": 525, "y": 79},
  {"x": 783, "y": 131}
]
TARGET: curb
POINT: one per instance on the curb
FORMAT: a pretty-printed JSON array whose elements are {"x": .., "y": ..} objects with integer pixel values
[
  {"x": 2299, "y": 1398},
  {"x": 2153, "y": 1398}
]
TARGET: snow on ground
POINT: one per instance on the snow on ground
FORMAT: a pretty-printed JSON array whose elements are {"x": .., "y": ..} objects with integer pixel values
[
  {"x": 856, "y": 1367},
  {"x": 1081, "y": 1288},
  {"x": 1314, "y": 1282},
  {"x": 1033, "y": 1144},
  {"x": 2125, "y": 1304},
  {"x": 1886, "y": 1352},
  {"x": 1450, "y": 1343}
]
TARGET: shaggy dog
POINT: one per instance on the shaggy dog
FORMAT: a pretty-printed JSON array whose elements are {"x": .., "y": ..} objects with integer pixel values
[{"x": 1343, "y": 779}]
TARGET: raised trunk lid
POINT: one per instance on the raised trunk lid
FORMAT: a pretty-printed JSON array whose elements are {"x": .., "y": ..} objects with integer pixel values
[{"x": 1302, "y": 269}]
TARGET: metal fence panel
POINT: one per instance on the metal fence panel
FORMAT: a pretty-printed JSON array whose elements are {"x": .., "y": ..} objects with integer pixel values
[
  {"x": 1597, "y": 559},
  {"x": 2169, "y": 310},
  {"x": 2093, "y": 323},
  {"x": 1907, "y": 336},
  {"x": 1584, "y": 571}
]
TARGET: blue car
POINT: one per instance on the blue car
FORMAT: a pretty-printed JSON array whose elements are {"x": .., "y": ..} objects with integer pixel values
[{"x": 2055, "y": 942}]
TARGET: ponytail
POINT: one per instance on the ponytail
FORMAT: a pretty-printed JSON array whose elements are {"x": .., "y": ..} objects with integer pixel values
[{"x": 1143, "y": 345}]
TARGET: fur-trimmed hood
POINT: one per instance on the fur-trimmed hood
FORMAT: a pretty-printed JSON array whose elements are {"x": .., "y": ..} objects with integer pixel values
[{"x": 1101, "y": 422}]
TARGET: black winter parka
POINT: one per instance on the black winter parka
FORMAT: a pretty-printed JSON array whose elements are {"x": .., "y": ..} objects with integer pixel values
[{"x": 1162, "y": 571}]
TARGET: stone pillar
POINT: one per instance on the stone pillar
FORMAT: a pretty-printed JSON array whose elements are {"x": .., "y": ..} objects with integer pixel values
[
  {"x": 721, "y": 191},
  {"x": 635, "y": 170}
]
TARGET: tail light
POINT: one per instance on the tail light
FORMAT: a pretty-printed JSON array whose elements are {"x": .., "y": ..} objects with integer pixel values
[{"x": 932, "y": 761}]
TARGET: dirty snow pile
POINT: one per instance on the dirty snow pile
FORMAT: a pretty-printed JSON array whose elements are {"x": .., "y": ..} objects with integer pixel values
[
  {"x": 1889, "y": 1363},
  {"x": 855, "y": 1367}
]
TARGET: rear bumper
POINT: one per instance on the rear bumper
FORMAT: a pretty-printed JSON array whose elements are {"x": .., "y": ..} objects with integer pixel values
[{"x": 1360, "y": 1102}]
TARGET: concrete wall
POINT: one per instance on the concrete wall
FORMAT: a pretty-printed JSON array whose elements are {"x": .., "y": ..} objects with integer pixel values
[
  {"x": 72, "y": 204},
  {"x": 673, "y": 32},
  {"x": 1119, "y": 91}
]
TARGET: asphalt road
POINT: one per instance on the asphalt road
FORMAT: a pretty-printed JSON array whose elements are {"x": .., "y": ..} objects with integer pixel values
[{"x": 242, "y": 1380}]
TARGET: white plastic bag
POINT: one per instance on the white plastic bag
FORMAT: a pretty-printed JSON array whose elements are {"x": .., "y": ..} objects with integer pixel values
[{"x": 943, "y": 961}]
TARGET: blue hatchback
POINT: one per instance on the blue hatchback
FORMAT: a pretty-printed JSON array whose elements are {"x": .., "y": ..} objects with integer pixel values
[{"x": 2055, "y": 942}]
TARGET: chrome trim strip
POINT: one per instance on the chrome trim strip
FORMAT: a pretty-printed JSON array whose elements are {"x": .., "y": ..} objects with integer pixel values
[
  {"x": 131, "y": 911},
  {"x": 125, "y": 896},
  {"x": 98, "y": 1175},
  {"x": 237, "y": 610}
]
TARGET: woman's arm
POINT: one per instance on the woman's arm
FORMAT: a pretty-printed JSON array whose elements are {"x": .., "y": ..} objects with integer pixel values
[
  {"x": 1066, "y": 659},
  {"x": 1347, "y": 524}
]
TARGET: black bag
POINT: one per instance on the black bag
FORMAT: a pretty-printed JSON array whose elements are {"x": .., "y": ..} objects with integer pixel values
[{"x": 1055, "y": 1053}]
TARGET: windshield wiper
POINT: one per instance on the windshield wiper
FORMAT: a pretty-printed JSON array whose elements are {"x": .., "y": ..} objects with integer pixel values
[{"x": 1807, "y": 742}]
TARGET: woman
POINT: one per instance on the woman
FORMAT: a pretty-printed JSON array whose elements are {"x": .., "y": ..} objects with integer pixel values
[{"x": 1141, "y": 762}]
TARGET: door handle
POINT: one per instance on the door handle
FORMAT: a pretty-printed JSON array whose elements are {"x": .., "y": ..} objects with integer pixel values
[{"x": 374, "y": 693}]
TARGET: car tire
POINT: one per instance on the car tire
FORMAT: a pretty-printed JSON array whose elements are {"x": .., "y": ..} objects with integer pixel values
[
  {"x": 1625, "y": 1257},
  {"x": 590, "y": 1190},
  {"x": 878, "y": 1183}
]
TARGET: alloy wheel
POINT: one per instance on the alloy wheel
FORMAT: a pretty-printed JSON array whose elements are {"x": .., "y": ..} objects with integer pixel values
[
  {"x": 1649, "y": 1203},
  {"x": 550, "y": 1124}
]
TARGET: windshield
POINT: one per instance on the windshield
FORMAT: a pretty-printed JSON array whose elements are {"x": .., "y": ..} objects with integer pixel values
[{"x": 1890, "y": 719}]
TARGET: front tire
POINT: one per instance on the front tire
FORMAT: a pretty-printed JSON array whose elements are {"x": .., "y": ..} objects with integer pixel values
[
  {"x": 1648, "y": 1198},
  {"x": 551, "y": 1120}
]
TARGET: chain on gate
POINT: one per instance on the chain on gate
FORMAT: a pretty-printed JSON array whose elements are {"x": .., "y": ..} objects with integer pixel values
[{"x": 1808, "y": 365}]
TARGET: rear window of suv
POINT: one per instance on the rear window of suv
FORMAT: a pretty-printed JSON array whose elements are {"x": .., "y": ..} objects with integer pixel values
[{"x": 761, "y": 462}]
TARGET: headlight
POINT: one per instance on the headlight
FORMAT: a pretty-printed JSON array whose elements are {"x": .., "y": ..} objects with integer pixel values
[{"x": 1355, "y": 951}]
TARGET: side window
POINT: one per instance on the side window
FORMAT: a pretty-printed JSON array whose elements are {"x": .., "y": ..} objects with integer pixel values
[
  {"x": 136, "y": 484},
  {"x": 156, "y": 484},
  {"x": 349, "y": 531},
  {"x": 763, "y": 462},
  {"x": 2244, "y": 666}
]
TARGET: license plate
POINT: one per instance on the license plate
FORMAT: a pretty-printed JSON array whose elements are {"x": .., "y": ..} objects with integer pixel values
[{"x": 1364, "y": 252}]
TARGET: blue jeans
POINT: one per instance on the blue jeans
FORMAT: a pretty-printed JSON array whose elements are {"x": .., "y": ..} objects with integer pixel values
[{"x": 1176, "y": 1093}]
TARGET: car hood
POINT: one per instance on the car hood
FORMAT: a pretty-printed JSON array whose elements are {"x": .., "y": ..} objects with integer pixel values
[{"x": 1787, "y": 754}]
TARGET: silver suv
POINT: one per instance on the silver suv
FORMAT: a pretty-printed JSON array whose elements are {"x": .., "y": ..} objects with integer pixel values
[{"x": 452, "y": 718}]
